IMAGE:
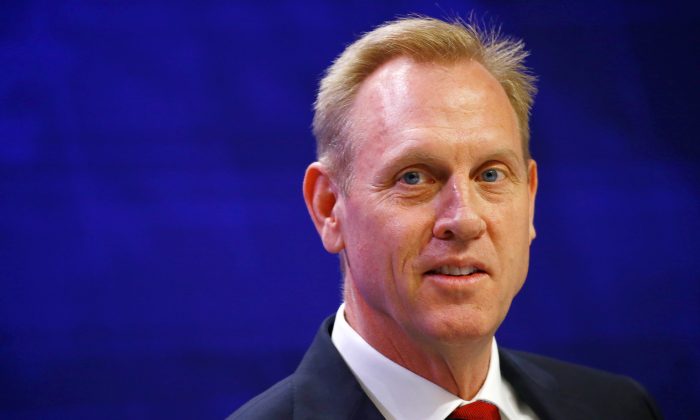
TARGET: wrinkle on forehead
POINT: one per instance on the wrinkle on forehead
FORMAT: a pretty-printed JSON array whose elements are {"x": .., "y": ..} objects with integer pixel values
[
  {"x": 406, "y": 101},
  {"x": 398, "y": 89}
]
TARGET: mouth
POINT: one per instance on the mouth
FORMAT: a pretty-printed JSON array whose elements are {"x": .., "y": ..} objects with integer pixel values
[
  {"x": 456, "y": 276},
  {"x": 455, "y": 271}
]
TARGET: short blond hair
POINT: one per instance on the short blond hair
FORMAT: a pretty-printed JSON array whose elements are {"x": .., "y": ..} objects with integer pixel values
[{"x": 423, "y": 39}]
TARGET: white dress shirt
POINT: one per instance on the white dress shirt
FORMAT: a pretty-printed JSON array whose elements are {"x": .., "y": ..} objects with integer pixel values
[{"x": 401, "y": 394}]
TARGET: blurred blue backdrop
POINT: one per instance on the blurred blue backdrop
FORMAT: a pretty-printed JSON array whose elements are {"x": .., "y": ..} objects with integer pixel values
[{"x": 153, "y": 233}]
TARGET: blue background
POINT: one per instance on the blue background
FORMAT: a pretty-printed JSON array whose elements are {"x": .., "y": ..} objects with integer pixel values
[{"x": 153, "y": 233}]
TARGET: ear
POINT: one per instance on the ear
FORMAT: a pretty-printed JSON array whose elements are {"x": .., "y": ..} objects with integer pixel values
[
  {"x": 321, "y": 197},
  {"x": 532, "y": 192}
]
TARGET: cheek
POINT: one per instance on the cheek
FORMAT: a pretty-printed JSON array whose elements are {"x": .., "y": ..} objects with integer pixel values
[
  {"x": 518, "y": 246},
  {"x": 511, "y": 218},
  {"x": 404, "y": 228},
  {"x": 510, "y": 233},
  {"x": 369, "y": 242},
  {"x": 389, "y": 245},
  {"x": 387, "y": 232},
  {"x": 410, "y": 231}
]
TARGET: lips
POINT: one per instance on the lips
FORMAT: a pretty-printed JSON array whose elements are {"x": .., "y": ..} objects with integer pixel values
[
  {"x": 454, "y": 270},
  {"x": 451, "y": 270}
]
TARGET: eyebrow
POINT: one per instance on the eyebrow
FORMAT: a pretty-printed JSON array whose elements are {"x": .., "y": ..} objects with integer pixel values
[
  {"x": 410, "y": 156},
  {"x": 415, "y": 154},
  {"x": 504, "y": 154}
]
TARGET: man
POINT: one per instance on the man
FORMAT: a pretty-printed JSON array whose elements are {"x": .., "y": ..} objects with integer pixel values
[{"x": 425, "y": 187}]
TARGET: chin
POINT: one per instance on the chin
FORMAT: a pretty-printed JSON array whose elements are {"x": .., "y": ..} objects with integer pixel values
[{"x": 451, "y": 328}]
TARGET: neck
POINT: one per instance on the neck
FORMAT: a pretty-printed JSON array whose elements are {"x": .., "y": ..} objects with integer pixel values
[{"x": 459, "y": 366}]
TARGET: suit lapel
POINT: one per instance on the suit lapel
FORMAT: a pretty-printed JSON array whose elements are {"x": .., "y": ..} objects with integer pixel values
[
  {"x": 540, "y": 390},
  {"x": 324, "y": 386}
]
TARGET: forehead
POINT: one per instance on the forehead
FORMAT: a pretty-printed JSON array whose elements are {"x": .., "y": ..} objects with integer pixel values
[{"x": 404, "y": 99}]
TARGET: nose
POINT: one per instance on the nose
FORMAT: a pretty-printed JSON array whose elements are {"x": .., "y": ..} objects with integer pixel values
[{"x": 457, "y": 215}]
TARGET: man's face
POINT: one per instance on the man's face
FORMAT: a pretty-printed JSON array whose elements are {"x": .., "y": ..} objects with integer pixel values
[{"x": 436, "y": 224}]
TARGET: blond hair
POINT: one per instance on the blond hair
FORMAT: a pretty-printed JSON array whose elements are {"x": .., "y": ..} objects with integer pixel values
[{"x": 422, "y": 39}]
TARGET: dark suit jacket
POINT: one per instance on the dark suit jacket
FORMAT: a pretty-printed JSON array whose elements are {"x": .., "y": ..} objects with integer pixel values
[{"x": 323, "y": 387}]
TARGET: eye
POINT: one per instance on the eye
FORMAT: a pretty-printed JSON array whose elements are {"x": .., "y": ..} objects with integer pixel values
[
  {"x": 413, "y": 177},
  {"x": 492, "y": 175}
]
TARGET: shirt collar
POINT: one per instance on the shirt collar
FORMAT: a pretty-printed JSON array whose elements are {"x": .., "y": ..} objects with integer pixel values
[{"x": 399, "y": 393}]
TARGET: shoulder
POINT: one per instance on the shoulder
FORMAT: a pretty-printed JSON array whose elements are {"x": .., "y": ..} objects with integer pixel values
[
  {"x": 566, "y": 371},
  {"x": 275, "y": 402},
  {"x": 322, "y": 387},
  {"x": 569, "y": 374},
  {"x": 612, "y": 392}
]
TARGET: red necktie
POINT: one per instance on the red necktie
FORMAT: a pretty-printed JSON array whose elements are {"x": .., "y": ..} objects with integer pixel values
[{"x": 478, "y": 410}]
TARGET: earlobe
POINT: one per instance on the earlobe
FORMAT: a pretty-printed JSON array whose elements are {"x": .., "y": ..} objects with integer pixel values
[
  {"x": 321, "y": 197},
  {"x": 532, "y": 190}
]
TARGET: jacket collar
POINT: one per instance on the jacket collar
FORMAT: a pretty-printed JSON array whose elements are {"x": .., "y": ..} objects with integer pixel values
[
  {"x": 540, "y": 390},
  {"x": 324, "y": 387}
]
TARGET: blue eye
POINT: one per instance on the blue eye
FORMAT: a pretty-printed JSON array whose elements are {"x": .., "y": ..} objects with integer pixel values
[
  {"x": 491, "y": 175},
  {"x": 412, "y": 177}
]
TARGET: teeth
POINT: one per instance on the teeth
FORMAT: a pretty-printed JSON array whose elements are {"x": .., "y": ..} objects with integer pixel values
[{"x": 452, "y": 270}]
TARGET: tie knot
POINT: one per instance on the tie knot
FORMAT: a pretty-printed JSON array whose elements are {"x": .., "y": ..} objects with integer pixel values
[{"x": 478, "y": 410}]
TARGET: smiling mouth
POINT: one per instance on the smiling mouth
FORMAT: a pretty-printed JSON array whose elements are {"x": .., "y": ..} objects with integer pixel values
[{"x": 451, "y": 270}]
